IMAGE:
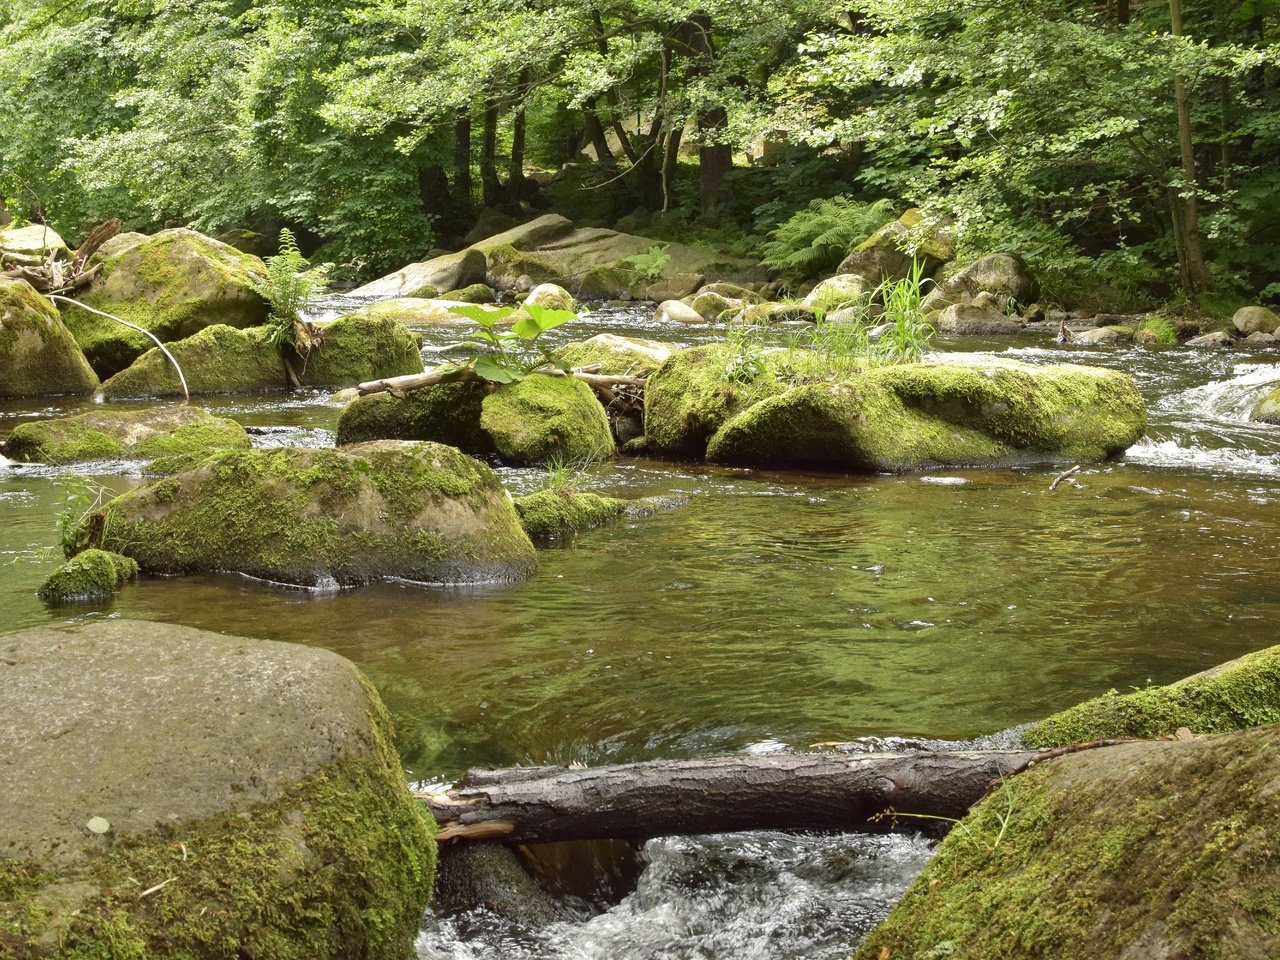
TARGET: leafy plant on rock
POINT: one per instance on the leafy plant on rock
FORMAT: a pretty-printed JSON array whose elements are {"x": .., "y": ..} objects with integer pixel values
[{"x": 508, "y": 355}]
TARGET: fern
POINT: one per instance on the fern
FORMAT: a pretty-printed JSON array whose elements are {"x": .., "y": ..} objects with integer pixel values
[
  {"x": 813, "y": 241},
  {"x": 289, "y": 284}
]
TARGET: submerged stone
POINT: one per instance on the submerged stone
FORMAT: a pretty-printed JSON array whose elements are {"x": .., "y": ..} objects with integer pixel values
[
  {"x": 38, "y": 354},
  {"x": 1146, "y": 851},
  {"x": 547, "y": 514},
  {"x": 172, "y": 792},
  {"x": 173, "y": 284},
  {"x": 386, "y": 509},
  {"x": 136, "y": 434},
  {"x": 544, "y": 418},
  {"x": 89, "y": 575}
]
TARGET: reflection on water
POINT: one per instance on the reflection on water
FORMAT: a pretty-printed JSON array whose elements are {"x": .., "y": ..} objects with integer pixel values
[{"x": 772, "y": 608}]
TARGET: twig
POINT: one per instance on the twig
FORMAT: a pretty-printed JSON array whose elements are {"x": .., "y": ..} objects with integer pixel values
[
  {"x": 186, "y": 395},
  {"x": 1065, "y": 475},
  {"x": 159, "y": 886}
]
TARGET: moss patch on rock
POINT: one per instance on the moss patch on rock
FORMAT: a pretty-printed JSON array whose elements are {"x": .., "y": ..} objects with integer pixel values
[
  {"x": 140, "y": 434},
  {"x": 218, "y": 359},
  {"x": 1234, "y": 695},
  {"x": 173, "y": 284},
  {"x": 360, "y": 347},
  {"x": 417, "y": 511},
  {"x": 548, "y": 514},
  {"x": 445, "y": 413},
  {"x": 1144, "y": 851},
  {"x": 38, "y": 354},
  {"x": 89, "y": 575},
  {"x": 617, "y": 356},
  {"x": 541, "y": 418},
  {"x": 1267, "y": 410},
  {"x": 506, "y": 265},
  {"x": 475, "y": 293}
]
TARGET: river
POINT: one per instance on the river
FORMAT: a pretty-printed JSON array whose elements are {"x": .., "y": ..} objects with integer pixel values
[{"x": 768, "y": 611}]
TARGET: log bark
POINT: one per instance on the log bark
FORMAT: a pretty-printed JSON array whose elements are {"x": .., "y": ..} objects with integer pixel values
[{"x": 873, "y": 793}]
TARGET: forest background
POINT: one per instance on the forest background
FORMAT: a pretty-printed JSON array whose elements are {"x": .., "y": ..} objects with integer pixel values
[{"x": 1130, "y": 150}]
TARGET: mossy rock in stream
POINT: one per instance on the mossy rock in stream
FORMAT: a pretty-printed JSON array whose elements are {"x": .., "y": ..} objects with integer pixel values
[
  {"x": 1146, "y": 850},
  {"x": 134, "y": 434},
  {"x": 176, "y": 793},
  {"x": 218, "y": 359},
  {"x": 542, "y": 418},
  {"x": 1267, "y": 410},
  {"x": 547, "y": 514},
  {"x": 89, "y": 575},
  {"x": 359, "y": 347},
  {"x": 617, "y": 356},
  {"x": 444, "y": 413},
  {"x": 386, "y": 509},
  {"x": 173, "y": 284},
  {"x": 38, "y": 354},
  {"x": 1240, "y": 693}
]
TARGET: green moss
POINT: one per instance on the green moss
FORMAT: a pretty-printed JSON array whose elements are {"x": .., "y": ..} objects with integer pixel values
[
  {"x": 423, "y": 512},
  {"x": 542, "y": 418},
  {"x": 611, "y": 282},
  {"x": 37, "y": 353},
  {"x": 341, "y": 865},
  {"x": 617, "y": 356},
  {"x": 121, "y": 433},
  {"x": 506, "y": 264},
  {"x": 1267, "y": 410},
  {"x": 90, "y": 575},
  {"x": 424, "y": 292},
  {"x": 445, "y": 413},
  {"x": 547, "y": 514},
  {"x": 1144, "y": 850},
  {"x": 360, "y": 347},
  {"x": 475, "y": 293},
  {"x": 1242, "y": 693},
  {"x": 218, "y": 359}
]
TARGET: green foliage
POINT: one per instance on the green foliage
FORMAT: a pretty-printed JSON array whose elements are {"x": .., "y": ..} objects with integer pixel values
[
  {"x": 290, "y": 284},
  {"x": 910, "y": 333},
  {"x": 650, "y": 264},
  {"x": 813, "y": 241},
  {"x": 744, "y": 362},
  {"x": 85, "y": 496},
  {"x": 509, "y": 355},
  {"x": 1161, "y": 329}
]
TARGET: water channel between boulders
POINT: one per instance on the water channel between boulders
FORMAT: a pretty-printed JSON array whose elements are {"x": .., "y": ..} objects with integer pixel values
[{"x": 770, "y": 610}]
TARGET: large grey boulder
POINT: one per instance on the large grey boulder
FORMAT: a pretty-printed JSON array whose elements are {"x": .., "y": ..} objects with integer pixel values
[
  {"x": 174, "y": 792},
  {"x": 31, "y": 245},
  {"x": 38, "y": 354},
  {"x": 1003, "y": 275},
  {"x": 173, "y": 284},
  {"x": 1255, "y": 320},
  {"x": 386, "y": 509},
  {"x": 971, "y": 319},
  {"x": 453, "y": 271}
]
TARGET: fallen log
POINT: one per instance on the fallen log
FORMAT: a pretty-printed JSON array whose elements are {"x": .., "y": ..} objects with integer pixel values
[
  {"x": 876, "y": 793},
  {"x": 54, "y": 276}
]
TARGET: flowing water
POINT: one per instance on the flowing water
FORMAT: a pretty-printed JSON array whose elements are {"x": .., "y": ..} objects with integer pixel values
[{"x": 769, "y": 611}]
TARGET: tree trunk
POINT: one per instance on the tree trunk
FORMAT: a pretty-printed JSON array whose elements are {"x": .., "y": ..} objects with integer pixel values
[
  {"x": 595, "y": 132},
  {"x": 515, "y": 171},
  {"x": 490, "y": 186},
  {"x": 1186, "y": 213},
  {"x": 814, "y": 792},
  {"x": 462, "y": 185}
]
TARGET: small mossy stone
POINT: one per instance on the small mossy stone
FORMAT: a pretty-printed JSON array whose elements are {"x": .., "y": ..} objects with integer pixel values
[
  {"x": 38, "y": 354},
  {"x": 552, "y": 296},
  {"x": 475, "y": 293},
  {"x": 444, "y": 413},
  {"x": 140, "y": 434},
  {"x": 89, "y": 575},
  {"x": 1267, "y": 410},
  {"x": 506, "y": 265},
  {"x": 542, "y": 418},
  {"x": 617, "y": 356},
  {"x": 1146, "y": 851},
  {"x": 1240, "y": 693},
  {"x": 548, "y": 514},
  {"x": 384, "y": 509},
  {"x": 218, "y": 359}
]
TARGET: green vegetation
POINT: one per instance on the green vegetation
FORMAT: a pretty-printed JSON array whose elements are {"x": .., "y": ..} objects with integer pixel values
[
  {"x": 89, "y": 575},
  {"x": 510, "y": 355},
  {"x": 812, "y": 242},
  {"x": 290, "y": 283}
]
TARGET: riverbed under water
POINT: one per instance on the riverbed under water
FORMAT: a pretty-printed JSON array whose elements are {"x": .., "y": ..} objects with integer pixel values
[{"x": 768, "y": 611}]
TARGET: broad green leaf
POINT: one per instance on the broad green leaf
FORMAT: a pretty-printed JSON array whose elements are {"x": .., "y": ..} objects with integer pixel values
[
  {"x": 485, "y": 316},
  {"x": 492, "y": 369},
  {"x": 546, "y": 318}
]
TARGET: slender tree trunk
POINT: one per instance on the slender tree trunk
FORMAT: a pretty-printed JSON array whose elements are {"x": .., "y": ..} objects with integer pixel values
[
  {"x": 670, "y": 157},
  {"x": 1194, "y": 271},
  {"x": 611, "y": 95},
  {"x": 490, "y": 186},
  {"x": 462, "y": 185},
  {"x": 714, "y": 159},
  {"x": 1226, "y": 158},
  {"x": 595, "y": 132},
  {"x": 515, "y": 172}
]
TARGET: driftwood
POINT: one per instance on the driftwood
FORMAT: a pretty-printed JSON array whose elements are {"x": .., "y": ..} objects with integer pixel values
[
  {"x": 810, "y": 792},
  {"x": 54, "y": 276},
  {"x": 399, "y": 386}
]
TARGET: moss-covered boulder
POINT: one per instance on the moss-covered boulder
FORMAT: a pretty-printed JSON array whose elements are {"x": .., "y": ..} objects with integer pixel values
[
  {"x": 842, "y": 290},
  {"x": 173, "y": 284},
  {"x": 38, "y": 354},
  {"x": 473, "y": 293},
  {"x": 506, "y": 266},
  {"x": 89, "y": 575},
  {"x": 1237, "y": 694},
  {"x": 360, "y": 347},
  {"x": 31, "y": 245},
  {"x": 218, "y": 359},
  {"x": 712, "y": 306},
  {"x": 1144, "y": 851},
  {"x": 546, "y": 418},
  {"x": 415, "y": 511},
  {"x": 960, "y": 410},
  {"x": 885, "y": 254},
  {"x": 1003, "y": 275},
  {"x": 1254, "y": 319},
  {"x": 548, "y": 514},
  {"x": 617, "y": 356},
  {"x": 1267, "y": 410},
  {"x": 171, "y": 792},
  {"x": 134, "y": 434},
  {"x": 445, "y": 413}
]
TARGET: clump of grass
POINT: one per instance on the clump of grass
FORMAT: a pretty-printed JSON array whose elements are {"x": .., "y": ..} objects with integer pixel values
[
  {"x": 910, "y": 334},
  {"x": 1161, "y": 329}
]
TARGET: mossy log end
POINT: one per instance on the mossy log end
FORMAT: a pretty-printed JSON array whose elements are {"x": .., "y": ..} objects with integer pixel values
[{"x": 814, "y": 792}]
